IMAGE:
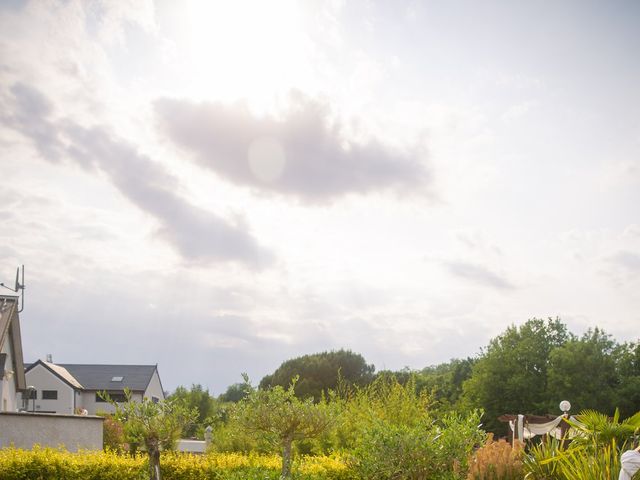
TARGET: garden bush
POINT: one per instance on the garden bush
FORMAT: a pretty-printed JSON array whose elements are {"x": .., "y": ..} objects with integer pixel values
[
  {"x": 51, "y": 464},
  {"x": 497, "y": 461}
]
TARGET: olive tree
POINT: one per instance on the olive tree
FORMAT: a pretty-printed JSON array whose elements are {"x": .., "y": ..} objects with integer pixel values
[
  {"x": 153, "y": 425},
  {"x": 282, "y": 418}
]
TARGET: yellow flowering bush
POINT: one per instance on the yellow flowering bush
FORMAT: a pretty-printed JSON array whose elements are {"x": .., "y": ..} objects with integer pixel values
[{"x": 52, "y": 464}]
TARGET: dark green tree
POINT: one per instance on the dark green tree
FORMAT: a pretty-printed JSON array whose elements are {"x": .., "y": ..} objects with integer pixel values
[
  {"x": 199, "y": 399},
  {"x": 583, "y": 371},
  {"x": 444, "y": 381},
  {"x": 627, "y": 357},
  {"x": 510, "y": 376},
  {"x": 320, "y": 372},
  {"x": 235, "y": 392}
]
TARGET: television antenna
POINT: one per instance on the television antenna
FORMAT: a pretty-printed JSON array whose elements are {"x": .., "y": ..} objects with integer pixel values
[{"x": 18, "y": 287}]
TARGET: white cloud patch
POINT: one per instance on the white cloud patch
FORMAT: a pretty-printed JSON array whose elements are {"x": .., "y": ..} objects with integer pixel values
[
  {"x": 479, "y": 274},
  {"x": 629, "y": 261},
  {"x": 197, "y": 234},
  {"x": 307, "y": 157}
]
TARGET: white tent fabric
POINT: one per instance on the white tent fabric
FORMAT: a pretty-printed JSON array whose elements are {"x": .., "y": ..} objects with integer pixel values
[
  {"x": 528, "y": 430},
  {"x": 630, "y": 463}
]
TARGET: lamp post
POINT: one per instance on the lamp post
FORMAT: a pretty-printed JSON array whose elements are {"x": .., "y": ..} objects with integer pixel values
[{"x": 565, "y": 406}]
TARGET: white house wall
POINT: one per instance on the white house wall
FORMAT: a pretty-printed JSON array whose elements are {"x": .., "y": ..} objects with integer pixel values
[
  {"x": 88, "y": 402},
  {"x": 42, "y": 379},
  {"x": 8, "y": 400},
  {"x": 154, "y": 389}
]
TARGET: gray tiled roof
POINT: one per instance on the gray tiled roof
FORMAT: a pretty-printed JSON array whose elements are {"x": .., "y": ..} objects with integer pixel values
[{"x": 99, "y": 377}]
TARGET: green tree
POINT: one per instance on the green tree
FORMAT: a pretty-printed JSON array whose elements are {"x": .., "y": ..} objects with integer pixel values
[
  {"x": 281, "y": 418},
  {"x": 511, "y": 374},
  {"x": 583, "y": 371},
  {"x": 236, "y": 392},
  {"x": 627, "y": 359},
  {"x": 154, "y": 425},
  {"x": 321, "y": 372},
  {"x": 199, "y": 399},
  {"x": 445, "y": 380}
]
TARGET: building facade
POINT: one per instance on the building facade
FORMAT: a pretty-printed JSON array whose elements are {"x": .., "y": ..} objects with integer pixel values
[{"x": 81, "y": 388}]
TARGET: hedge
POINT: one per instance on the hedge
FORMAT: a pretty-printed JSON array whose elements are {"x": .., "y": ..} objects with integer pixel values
[{"x": 52, "y": 464}]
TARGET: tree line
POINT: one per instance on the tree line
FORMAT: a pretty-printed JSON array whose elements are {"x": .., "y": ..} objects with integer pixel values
[{"x": 526, "y": 369}]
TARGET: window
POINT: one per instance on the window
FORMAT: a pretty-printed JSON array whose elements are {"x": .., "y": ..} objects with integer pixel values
[
  {"x": 31, "y": 394},
  {"x": 117, "y": 379},
  {"x": 49, "y": 394},
  {"x": 155, "y": 399},
  {"x": 115, "y": 396}
]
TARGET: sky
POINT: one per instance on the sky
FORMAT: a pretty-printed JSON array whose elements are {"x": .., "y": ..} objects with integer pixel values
[{"x": 217, "y": 187}]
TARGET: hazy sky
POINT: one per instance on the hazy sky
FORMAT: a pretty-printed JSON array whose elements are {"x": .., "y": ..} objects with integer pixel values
[{"x": 217, "y": 187}]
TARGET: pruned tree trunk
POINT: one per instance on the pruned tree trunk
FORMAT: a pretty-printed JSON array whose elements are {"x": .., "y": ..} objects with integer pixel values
[
  {"x": 153, "y": 451},
  {"x": 286, "y": 458}
]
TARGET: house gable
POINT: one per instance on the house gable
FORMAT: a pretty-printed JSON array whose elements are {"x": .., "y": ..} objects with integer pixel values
[
  {"x": 12, "y": 379},
  {"x": 53, "y": 392},
  {"x": 61, "y": 373},
  {"x": 154, "y": 388}
]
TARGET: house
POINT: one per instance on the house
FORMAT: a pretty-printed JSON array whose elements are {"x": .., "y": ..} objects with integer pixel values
[
  {"x": 72, "y": 388},
  {"x": 11, "y": 362}
]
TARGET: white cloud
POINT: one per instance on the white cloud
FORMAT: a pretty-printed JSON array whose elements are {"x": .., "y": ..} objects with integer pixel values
[{"x": 316, "y": 162}]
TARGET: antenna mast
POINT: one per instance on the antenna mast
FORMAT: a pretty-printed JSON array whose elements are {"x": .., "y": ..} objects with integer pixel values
[{"x": 19, "y": 287}]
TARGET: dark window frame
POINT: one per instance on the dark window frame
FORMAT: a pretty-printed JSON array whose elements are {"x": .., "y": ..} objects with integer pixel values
[
  {"x": 117, "y": 397},
  {"x": 49, "y": 394}
]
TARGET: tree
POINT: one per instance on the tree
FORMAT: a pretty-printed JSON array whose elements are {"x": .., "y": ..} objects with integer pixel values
[
  {"x": 445, "y": 380},
  {"x": 627, "y": 359},
  {"x": 282, "y": 418},
  {"x": 198, "y": 399},
  {"x": 584, "y": 372},
  {"x": 235, "y": 392},
  {"x": 154, "y": 425},
  {"x": 511, "y": 375},
  {"x": 321, "y": 372}
]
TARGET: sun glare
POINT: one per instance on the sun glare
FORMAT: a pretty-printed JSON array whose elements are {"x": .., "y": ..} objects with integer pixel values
[{"x": 244, "y": 48}]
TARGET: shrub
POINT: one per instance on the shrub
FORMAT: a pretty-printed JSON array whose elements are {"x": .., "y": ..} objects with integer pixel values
[
  {"x": 497, "y": 461},
  {"x": 113, "y": 434},
  {"x": 46, "y": 463},
  {"x": 426, "y": 450}
]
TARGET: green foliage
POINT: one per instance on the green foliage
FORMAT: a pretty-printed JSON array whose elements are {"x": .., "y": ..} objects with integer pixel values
[
  {"x": 445, "y": 381},
  {"x": 593, "y": 453},
  {"x": 235, "y": 392},
  {"x": 390, "y": 432},
  {"x": 280, "y": 418},
  {"x": 539, "y": 461},
  {"x": 154, "y": 425},
  {"x": 423, "y": 450},
  {"x": 627, "y": 394},
  {"x": 584, "y": 463},
  {"x": 198, "y": 399},
  {"x": 511, "y": 375},
  {"x": 320, "y": 372},
  {"x": 113, "y": 434},
  {"x": 583, "y": 370},
  {"x": 598, "y": 429}
]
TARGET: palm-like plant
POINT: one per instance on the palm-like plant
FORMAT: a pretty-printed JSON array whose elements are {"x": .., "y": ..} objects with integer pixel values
[
  {"x": 597, "y": 429},
  {"x": 594, "y": 452}
]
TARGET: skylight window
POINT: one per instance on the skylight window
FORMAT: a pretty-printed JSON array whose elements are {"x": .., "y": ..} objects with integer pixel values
[{"x": 117, "y": 379}]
